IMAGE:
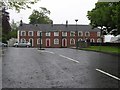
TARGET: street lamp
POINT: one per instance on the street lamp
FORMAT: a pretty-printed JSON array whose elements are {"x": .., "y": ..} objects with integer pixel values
[
  {"x": 76, "y": 34},
  {"x": 40, "y": 40}
]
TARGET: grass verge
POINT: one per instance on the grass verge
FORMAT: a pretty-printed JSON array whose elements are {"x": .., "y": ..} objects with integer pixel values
[{"x": 107, "y": 49}]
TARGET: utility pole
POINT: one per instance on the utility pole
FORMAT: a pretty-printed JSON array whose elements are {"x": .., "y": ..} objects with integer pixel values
[{"x": 76, "y": 34}]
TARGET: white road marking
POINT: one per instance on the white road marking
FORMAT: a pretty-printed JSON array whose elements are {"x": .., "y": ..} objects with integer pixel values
[
  {"x": 48, "y": 52},
  {"x": 108, "y": 74},
  {"x": 69, "y": 58},
  {"x": 62, "y": 56}
]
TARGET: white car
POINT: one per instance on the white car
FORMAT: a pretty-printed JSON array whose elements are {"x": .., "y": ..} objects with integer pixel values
[
  {"x": 22, "y": 44},
  {"x": 3, "y": 44},
  {"x": 15, "y": 44}
]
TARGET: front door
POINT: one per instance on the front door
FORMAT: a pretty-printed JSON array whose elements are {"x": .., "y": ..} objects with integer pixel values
[
  {"x": 64, "y": 42},
  {"x": 47, "y": 42},
  {"x": 31, "y": 41}
]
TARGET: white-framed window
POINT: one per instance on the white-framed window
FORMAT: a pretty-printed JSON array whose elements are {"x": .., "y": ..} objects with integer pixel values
[
  {"x": 23, "y": 40},
  {"x": 23, "y": 33},
  {"x": 30, "y": 33},
  {"x": 80, "y": 33},
  {"x": 64, "y": 33},
  {"x": 56, "y": 33},
  {"x": 99, "y": 40},
  {"x": 38, "y": 33},
  {"x": 98, "y": 34},
  {"x": 72, "y": 41},
  {"x": 47, "y": 33},
  {"x": 87, "y": 34},
  {"x": 72, "y": 33},
  {"x": 56, "y": 41},
  {"x": 38, "y": 41},
  {"x": 80, "y": 39},
  {"x": 92, "y": 40}
]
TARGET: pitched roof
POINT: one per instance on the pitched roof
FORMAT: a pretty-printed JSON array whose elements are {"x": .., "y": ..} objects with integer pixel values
[{"x": 56, "y": 27}]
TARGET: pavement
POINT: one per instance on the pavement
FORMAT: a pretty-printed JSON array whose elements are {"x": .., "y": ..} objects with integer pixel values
[
  {"x": 2, "y": 50},
  {"x": 58, "y": 68}
]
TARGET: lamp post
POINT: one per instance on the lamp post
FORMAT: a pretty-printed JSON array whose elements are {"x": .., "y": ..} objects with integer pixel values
[
  {"x": 60, "y": 33},
  {"x": 40, "y": 39},
  {"x": 76, "y": 34}
]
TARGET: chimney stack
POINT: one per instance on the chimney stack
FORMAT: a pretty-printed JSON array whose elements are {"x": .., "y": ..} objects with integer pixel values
[
  {"x": 66, "y": 23},
  {"x": 21, "y": 23}
]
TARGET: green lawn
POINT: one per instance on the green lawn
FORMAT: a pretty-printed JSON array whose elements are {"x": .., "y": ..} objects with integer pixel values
[{"x": 109, "y": 49}]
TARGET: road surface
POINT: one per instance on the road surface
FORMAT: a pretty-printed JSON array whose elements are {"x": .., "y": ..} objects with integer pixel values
[{"x": 58, "y": 68}]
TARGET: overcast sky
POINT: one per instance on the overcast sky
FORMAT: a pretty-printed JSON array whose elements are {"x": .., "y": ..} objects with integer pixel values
[{"x": 61, "y": 10}]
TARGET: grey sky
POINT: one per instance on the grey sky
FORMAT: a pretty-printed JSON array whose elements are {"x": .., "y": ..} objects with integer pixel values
[{"x": 61, "y": 10}]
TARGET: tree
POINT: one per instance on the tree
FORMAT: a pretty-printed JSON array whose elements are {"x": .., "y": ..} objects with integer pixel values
[
  {"x": 5, "y": 22},
  {"x": 14, "y": 26},
  {"x": 106, "y": 16},
  {"x": 40, "y": 17},
  {"x": 14, "y": 29},
  {"x": 5, "y": 15},
  {"x": 17, "y": 5},
  {"x": 5, "y": 25}
]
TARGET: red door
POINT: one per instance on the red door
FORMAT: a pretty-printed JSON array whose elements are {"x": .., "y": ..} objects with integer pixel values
[
  {"x": 64, "y": 42},
  {"x": 48, "y": 42}
]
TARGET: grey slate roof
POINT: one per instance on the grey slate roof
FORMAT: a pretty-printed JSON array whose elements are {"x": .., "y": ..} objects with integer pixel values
[{"x": 56, "y": 27}]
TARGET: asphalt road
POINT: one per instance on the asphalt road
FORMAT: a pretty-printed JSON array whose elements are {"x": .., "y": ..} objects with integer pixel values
[{"x": 58, "y": 68}]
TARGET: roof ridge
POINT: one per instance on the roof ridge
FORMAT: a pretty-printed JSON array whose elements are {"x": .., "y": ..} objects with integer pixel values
[{"x": 59, "y": 24}]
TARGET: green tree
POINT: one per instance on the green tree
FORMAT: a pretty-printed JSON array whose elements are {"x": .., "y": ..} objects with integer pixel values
[
  {"x": 14, "y": 26},
  {"x": 14, "y": 29},
  {"x": 105, "y": 15},
  {"x": 5, "y": 25},
  {"x": 18, "y": 5},
  {"x": 40, "y": 17}
]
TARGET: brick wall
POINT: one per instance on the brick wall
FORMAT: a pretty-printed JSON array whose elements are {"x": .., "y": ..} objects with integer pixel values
[{"x": 93, "y": 35}]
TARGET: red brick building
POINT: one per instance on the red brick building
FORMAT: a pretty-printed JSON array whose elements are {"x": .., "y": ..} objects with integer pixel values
[{"x": 57, "y": 35}]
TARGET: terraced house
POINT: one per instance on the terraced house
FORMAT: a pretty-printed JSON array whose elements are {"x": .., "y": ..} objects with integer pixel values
[{"x": 57, "y": 35}]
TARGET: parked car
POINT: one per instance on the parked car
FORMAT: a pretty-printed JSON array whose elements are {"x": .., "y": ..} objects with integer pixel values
[
  {"x": 3, "y": 44},
  {"x": 22, "y": 44}
]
